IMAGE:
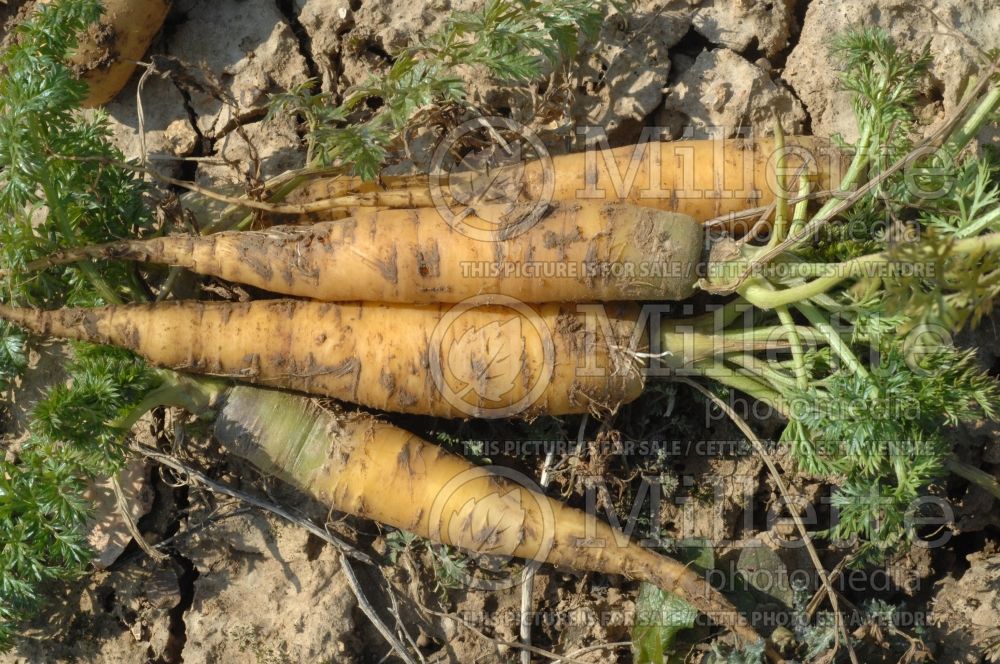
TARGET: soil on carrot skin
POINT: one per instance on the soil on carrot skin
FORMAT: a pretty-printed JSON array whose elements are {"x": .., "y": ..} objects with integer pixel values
[{"x": 240, "y": 585}]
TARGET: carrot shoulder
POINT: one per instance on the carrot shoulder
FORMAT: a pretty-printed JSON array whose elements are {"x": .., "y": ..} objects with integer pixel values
[{"x": 109, "y": 51}]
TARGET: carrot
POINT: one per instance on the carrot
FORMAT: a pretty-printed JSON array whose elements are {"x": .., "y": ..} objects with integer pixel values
[
  {"x": 487, "y": 358},
  {"x": 347, "y": 459},
  {"x": 703, "y": 179},
  {"x": 575, "y": 252},
  {"x": 108, "y": 52},
  {"x": 471, "y": 360}
]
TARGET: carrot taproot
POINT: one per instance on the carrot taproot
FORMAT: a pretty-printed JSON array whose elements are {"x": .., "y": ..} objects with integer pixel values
[
  {"x": 490, "y": 357},
  {"x": 704, "y": 179},
  {"x": 347, "y": 459},
  {"x": 574, "y": 252},
  {"x": 472, "y": 360},
  {"x": 109, "y": 51}
]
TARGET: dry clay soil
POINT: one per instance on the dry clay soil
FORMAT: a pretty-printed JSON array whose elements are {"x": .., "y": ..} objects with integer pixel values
[{"x": 241, "y": 586}]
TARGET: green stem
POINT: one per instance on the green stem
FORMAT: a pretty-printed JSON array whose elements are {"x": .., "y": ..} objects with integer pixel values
[
  {"x": 977, "y": 476},
  {"x": 798, "y": 356},
  {"x": 765, "y": 297},
  {"x": 99, "y": 283},
  {"x": 747, "y": 385},
  {"x": 854, "y": 267},
  {"x": 721, "y": 318},
  {"x": 802, "y": 207},
  {"x": 780, "y": 197},
  {"x": 173, "y": 274},
  {"x": 824, "y": 301},
  {"x": 770, "y": 333},
  {"x": 854, "y": 172},
  {"x": 764, "y": 370},
  {"x": 961, "y": 136},
  {"x": 819, "y": 321},
  {"x": 985, "y": 221},
  {"x": 955, "y": 143},
  {"x": 688, "y": 346},
  {"x": 761, "y": 295},
  {"x": 194, "y": 395}
]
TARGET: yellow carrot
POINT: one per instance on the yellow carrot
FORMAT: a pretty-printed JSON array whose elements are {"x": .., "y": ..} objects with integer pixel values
[
  {"x": 575, "y": 252},
  {"x": 703, "y": 179},
  {"x": 347, "y": 459},
  {"x": 108, "y": 52},
  {"x": 473, "y": 360}
]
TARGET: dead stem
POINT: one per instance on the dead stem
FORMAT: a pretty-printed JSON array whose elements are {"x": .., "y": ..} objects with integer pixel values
[
  {"x": 800, "y": 526},
  {"x": 346, "y": 550}
]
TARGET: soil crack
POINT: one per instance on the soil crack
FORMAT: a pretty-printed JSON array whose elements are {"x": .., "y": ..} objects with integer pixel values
[
  {"x": 204, "y": 146},
  {"x": 287, "y": 9},
  {"x": 173, "y": 653}
]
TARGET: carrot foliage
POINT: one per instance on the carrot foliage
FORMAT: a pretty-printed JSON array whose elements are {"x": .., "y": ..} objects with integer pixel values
[
  {"x": 55, "y": 192},
  {"x": 885, "y": 285},
  {"x": 52, "y": 191},
  {"x": 514, "y": 40}
]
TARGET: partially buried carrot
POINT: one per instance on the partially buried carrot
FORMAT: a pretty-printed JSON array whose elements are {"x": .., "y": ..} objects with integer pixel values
[
  {"x": 109, "y": 51},
  {"x": 571, "y": 253}
]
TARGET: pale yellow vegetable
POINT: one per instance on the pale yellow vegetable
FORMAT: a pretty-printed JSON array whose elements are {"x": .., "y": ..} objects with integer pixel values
[
  {"x": 489, "y": 358},
  {"x": 478, "y": 361},
  {"x": 107, "y": 52},
  {"x": 703, "y": 179},
  {"x": 575, "y": 252},
  {"x": 358, "y": 464}
]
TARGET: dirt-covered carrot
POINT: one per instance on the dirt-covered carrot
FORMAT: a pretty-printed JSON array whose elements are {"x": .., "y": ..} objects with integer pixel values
[
  {"x": 703, "y": 179},
  {"x": 489, "y": 357},
  {"x": 575, "y": 252},
  {"x": 108, "y": 52},
  {"x": 466, "y": 361},
  {"x": 347, "y": 459}
]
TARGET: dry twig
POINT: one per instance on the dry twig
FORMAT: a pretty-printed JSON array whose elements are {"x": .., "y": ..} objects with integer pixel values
[
  {"x": 346, "y": 550},
  {"x": 783, "y": 490}
]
